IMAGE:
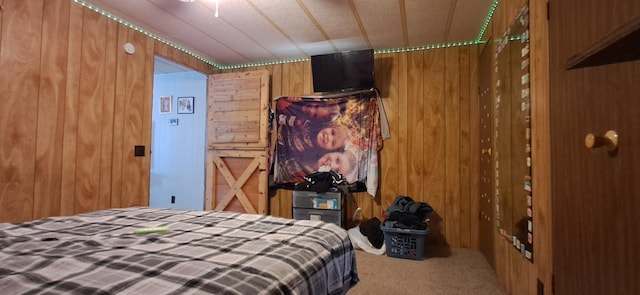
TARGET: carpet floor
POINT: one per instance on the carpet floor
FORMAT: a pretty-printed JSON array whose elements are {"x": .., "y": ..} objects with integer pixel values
[{"x": 443, "y": 270}]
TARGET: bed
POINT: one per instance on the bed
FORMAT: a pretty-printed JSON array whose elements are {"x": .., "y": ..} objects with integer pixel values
[{"x": 203, "y": 252}]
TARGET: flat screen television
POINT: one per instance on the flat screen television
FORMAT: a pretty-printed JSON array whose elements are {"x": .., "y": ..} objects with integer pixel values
[{"x": 343, "y": 71}]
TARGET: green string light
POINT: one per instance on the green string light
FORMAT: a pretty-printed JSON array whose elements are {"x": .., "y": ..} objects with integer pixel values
[
  {"x": 487, "y": 20},
  {"x": 259, "y": 64},
  {"x": 146, "y": 33}
]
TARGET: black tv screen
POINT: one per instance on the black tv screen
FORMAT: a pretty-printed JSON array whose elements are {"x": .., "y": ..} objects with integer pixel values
[{"x": 349, "y": 70}]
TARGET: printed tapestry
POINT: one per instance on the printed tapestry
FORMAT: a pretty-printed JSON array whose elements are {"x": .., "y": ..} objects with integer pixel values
[{"x": 337, "y": 133}]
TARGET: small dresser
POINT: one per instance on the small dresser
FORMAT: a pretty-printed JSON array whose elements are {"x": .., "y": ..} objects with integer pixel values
[{"x": 327, "y": 206}]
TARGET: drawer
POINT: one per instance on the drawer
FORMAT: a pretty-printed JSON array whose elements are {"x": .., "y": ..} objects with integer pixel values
[
  {"x": 332, "y": 216},
  {"x": 327, "y": 200}
]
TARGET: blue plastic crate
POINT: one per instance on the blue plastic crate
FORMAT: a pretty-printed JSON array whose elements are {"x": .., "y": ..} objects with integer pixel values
[{"x": 404, "y": 243}]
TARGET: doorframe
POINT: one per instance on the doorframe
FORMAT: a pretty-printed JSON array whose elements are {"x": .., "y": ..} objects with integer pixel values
[
  {"x": 485, "y": 70},
  {"x": 181, "y": 200}
]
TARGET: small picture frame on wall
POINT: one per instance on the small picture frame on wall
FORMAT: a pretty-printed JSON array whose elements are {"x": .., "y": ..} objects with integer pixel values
[
  {"x": 165, "y": 104},
  {"x": 185, "y": 105}
]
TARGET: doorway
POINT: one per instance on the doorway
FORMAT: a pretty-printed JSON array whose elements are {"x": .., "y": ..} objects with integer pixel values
[{"x": 178, "y": 145}]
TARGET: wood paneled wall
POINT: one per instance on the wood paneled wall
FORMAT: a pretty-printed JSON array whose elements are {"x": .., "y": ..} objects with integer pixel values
[
  {"x": 514, "y": 271},
  {"x": 74, "y": 106},
  {"x": 517, "y": 274},
  {"x": 431, "y": 101}
]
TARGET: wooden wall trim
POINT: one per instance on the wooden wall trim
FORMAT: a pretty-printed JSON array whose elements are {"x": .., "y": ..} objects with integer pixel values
[
  {"x": 180, "y": 57},
  {"x": 541, "y": 140}
]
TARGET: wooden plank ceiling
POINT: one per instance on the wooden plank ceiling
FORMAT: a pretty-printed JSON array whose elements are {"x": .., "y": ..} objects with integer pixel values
[{"x": 256, "y": 31}]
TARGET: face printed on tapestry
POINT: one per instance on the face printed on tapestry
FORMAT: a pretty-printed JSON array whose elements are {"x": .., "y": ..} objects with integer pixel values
[
  {"x": 318, "y": 110},
  {"x": 341, "y": 162},
  {"x": 332, "y": 137},
  {"x": 303, "y": 142}
]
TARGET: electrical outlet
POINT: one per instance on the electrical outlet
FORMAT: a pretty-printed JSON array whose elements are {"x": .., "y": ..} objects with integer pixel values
[
  {"x": 173, "y": 199},
  {"x": 138, "y": 151}
]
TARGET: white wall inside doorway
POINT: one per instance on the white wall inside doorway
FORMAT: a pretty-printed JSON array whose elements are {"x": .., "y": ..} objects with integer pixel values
[{"x": 178, "y": 151}]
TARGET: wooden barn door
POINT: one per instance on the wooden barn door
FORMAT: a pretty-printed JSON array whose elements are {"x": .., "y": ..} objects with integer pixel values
[{"x": 237, "y": 142}]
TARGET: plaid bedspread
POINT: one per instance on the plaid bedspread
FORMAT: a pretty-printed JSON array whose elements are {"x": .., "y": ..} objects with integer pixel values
[{"x": 205, "y": 252}]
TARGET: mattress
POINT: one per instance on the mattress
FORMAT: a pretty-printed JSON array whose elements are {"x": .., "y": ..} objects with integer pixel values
[{"x": 195, "y": 252}]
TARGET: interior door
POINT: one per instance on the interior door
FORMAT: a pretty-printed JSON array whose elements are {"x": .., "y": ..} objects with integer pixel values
[
  {"x": 237, "y": 142},
  {"x": 595, "y": 187},
  {"x": 487, "y": 207}
]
